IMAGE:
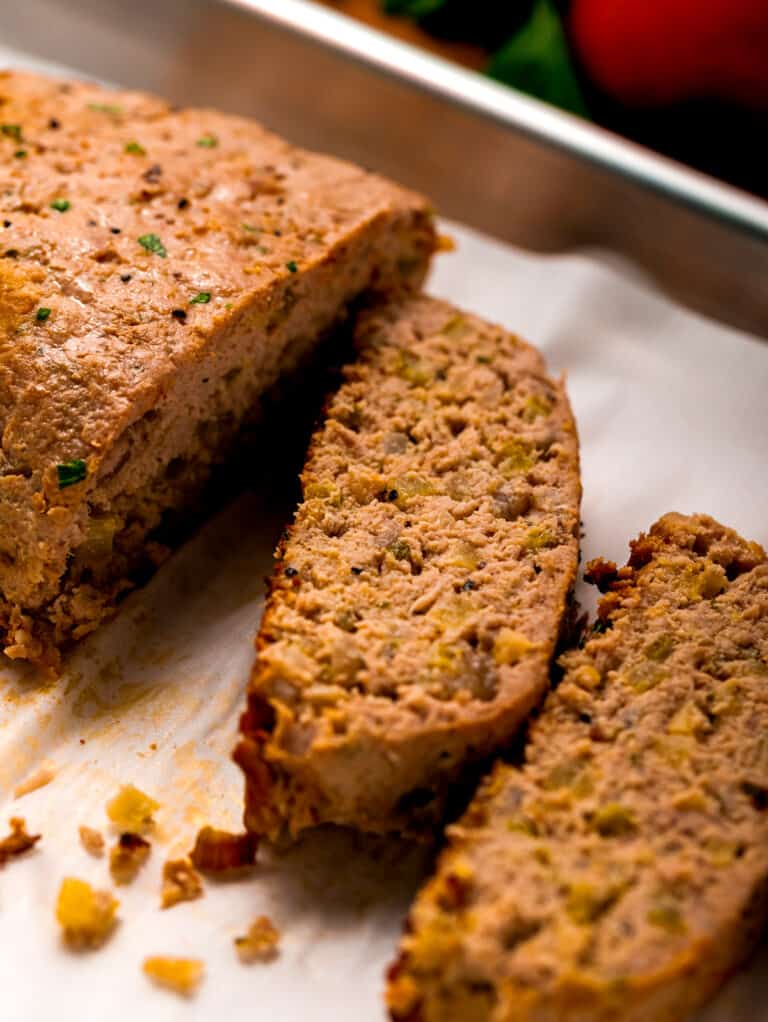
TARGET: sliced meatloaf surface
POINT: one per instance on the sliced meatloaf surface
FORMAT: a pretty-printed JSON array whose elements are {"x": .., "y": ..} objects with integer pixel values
[
  {"x": 620, "y": 873},
  {"x": 159, "y": 270},
  {"x": 419, "y": 594}
]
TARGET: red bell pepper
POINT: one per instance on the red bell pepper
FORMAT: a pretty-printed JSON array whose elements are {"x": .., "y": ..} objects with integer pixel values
[{"x": 647, "y": 53}]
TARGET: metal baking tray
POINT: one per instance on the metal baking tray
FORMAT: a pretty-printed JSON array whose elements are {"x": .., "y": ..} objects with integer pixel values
[{"x": 487, "y": 155}]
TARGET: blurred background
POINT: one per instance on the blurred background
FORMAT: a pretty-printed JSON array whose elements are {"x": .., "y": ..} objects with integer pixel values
[{"x": 688, "y": 78}]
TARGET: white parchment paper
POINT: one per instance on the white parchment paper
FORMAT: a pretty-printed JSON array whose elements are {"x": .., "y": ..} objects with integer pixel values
[{"x": 673, "y": 415}]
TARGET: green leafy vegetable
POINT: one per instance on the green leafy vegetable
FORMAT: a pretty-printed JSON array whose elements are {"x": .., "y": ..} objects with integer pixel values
[
  {"x": 71, "y": 472},
  {"x": 292, "y": 266},
  {"x": 42, "y": 314},
  {"x": 135, "y": 148},
  {"x": 207, "y": 142},
  {"x": 152, "y": 243},
  {"x": 12, "y": 131},
  {"x": 536, "y": 61},
  {"x": 201, "y": 299},
  {"x": 20, "y": 154},
  {"x": 61, "y": 205}
]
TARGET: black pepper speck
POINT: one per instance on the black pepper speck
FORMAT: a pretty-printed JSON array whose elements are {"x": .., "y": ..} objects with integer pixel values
[{"x": 153, "y": 173}]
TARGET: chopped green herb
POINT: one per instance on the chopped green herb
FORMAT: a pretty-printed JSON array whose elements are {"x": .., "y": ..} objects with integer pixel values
[
  {"x": 249, "y": 227},
  {"x": 207, "y": 142},
  {"x": 71, "y": 472},
  {"x": 228, "y": 305},
  {"x": 61, "y": 205},
  {"x": 42, "y": 314},
  {"x": 292, "y": 266},
  {"x": 105, "y": 108},
  {"x": 201, "y": 299},
  {"x": 135, "y": 148},
  {"x": 12, "y": 131},
  {"x": 152, "y": 243},
  {"x": 20, "y": 154}
]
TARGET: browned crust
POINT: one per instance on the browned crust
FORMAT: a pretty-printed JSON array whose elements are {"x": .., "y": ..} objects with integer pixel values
[{"x": 163, "y": 269}]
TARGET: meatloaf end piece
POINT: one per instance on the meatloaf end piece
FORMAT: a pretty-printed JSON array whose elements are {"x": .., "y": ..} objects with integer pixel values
[
  {"x": 619, "y": 875},
  {"x": 159, "y": 270},
  {"x": 418, "y": 597}
]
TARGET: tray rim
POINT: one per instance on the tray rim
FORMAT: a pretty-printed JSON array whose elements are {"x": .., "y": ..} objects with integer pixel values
[{"x": 515, "y": 111}]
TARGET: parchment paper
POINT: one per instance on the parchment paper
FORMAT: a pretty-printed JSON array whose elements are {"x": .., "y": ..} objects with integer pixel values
[{"x": 673, "y": 415}]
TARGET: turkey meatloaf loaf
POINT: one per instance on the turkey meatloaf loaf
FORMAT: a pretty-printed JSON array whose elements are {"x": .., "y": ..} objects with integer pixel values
[
  {"x": 159, "y": 270},
  {"x": 619, "y": 874},
  {"x": 418, "y": 597}
]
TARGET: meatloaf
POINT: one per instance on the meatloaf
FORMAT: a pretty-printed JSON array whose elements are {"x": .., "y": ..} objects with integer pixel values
[
  {"x": 418, "y": 597},
  {"x": 159, "y": 270},
  {"x": 619, "y": 874}
]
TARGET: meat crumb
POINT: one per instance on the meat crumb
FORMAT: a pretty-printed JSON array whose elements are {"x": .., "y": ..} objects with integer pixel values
[
  {"x": 131, "y": 810},
  {"x": 260, "y": 944},
  {"x": 42, "y": 776},
  {"x": 181, "y": 975},
  {"x": 87, "y": 917},
  {"x": 181, "y": 882},
  {"x": 92, "y": 841},
  {"x": 18, "y": 841},
  {"x": 218, "y": 851},
  {"x": 128, "y": 855}
]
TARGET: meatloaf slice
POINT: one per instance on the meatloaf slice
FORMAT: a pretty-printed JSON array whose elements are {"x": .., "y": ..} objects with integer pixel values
[
  {"x": 418, "y": 597},
  {"x": 159, "y": 270},
  {"x": 620, "y": 873}
]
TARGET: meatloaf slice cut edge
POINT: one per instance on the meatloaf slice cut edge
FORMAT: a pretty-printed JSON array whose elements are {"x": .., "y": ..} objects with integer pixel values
[
  {"x": 418, "y": 597},
  {"x": 621, "y": 873}
]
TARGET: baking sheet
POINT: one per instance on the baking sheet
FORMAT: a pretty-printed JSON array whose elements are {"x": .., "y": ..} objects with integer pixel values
[{"x": 672, "y": 413}]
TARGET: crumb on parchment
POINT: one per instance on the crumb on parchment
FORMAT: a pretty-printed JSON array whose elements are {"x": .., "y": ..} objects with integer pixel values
[
  {"x": 181, "y": 975},
  {"x": 218, "y": 851},
  {"x": 260, "y": 943},
  {"x": 128, "y": 855},
  {"x": 131, "y": 810},
  {"x": 44, "y": 774},
  {"x": 87, "y": 917},
  {"x": 181, "y": 882},
  {"x": 18, "y": 841},
  {"x": 92, "y": 841}
]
